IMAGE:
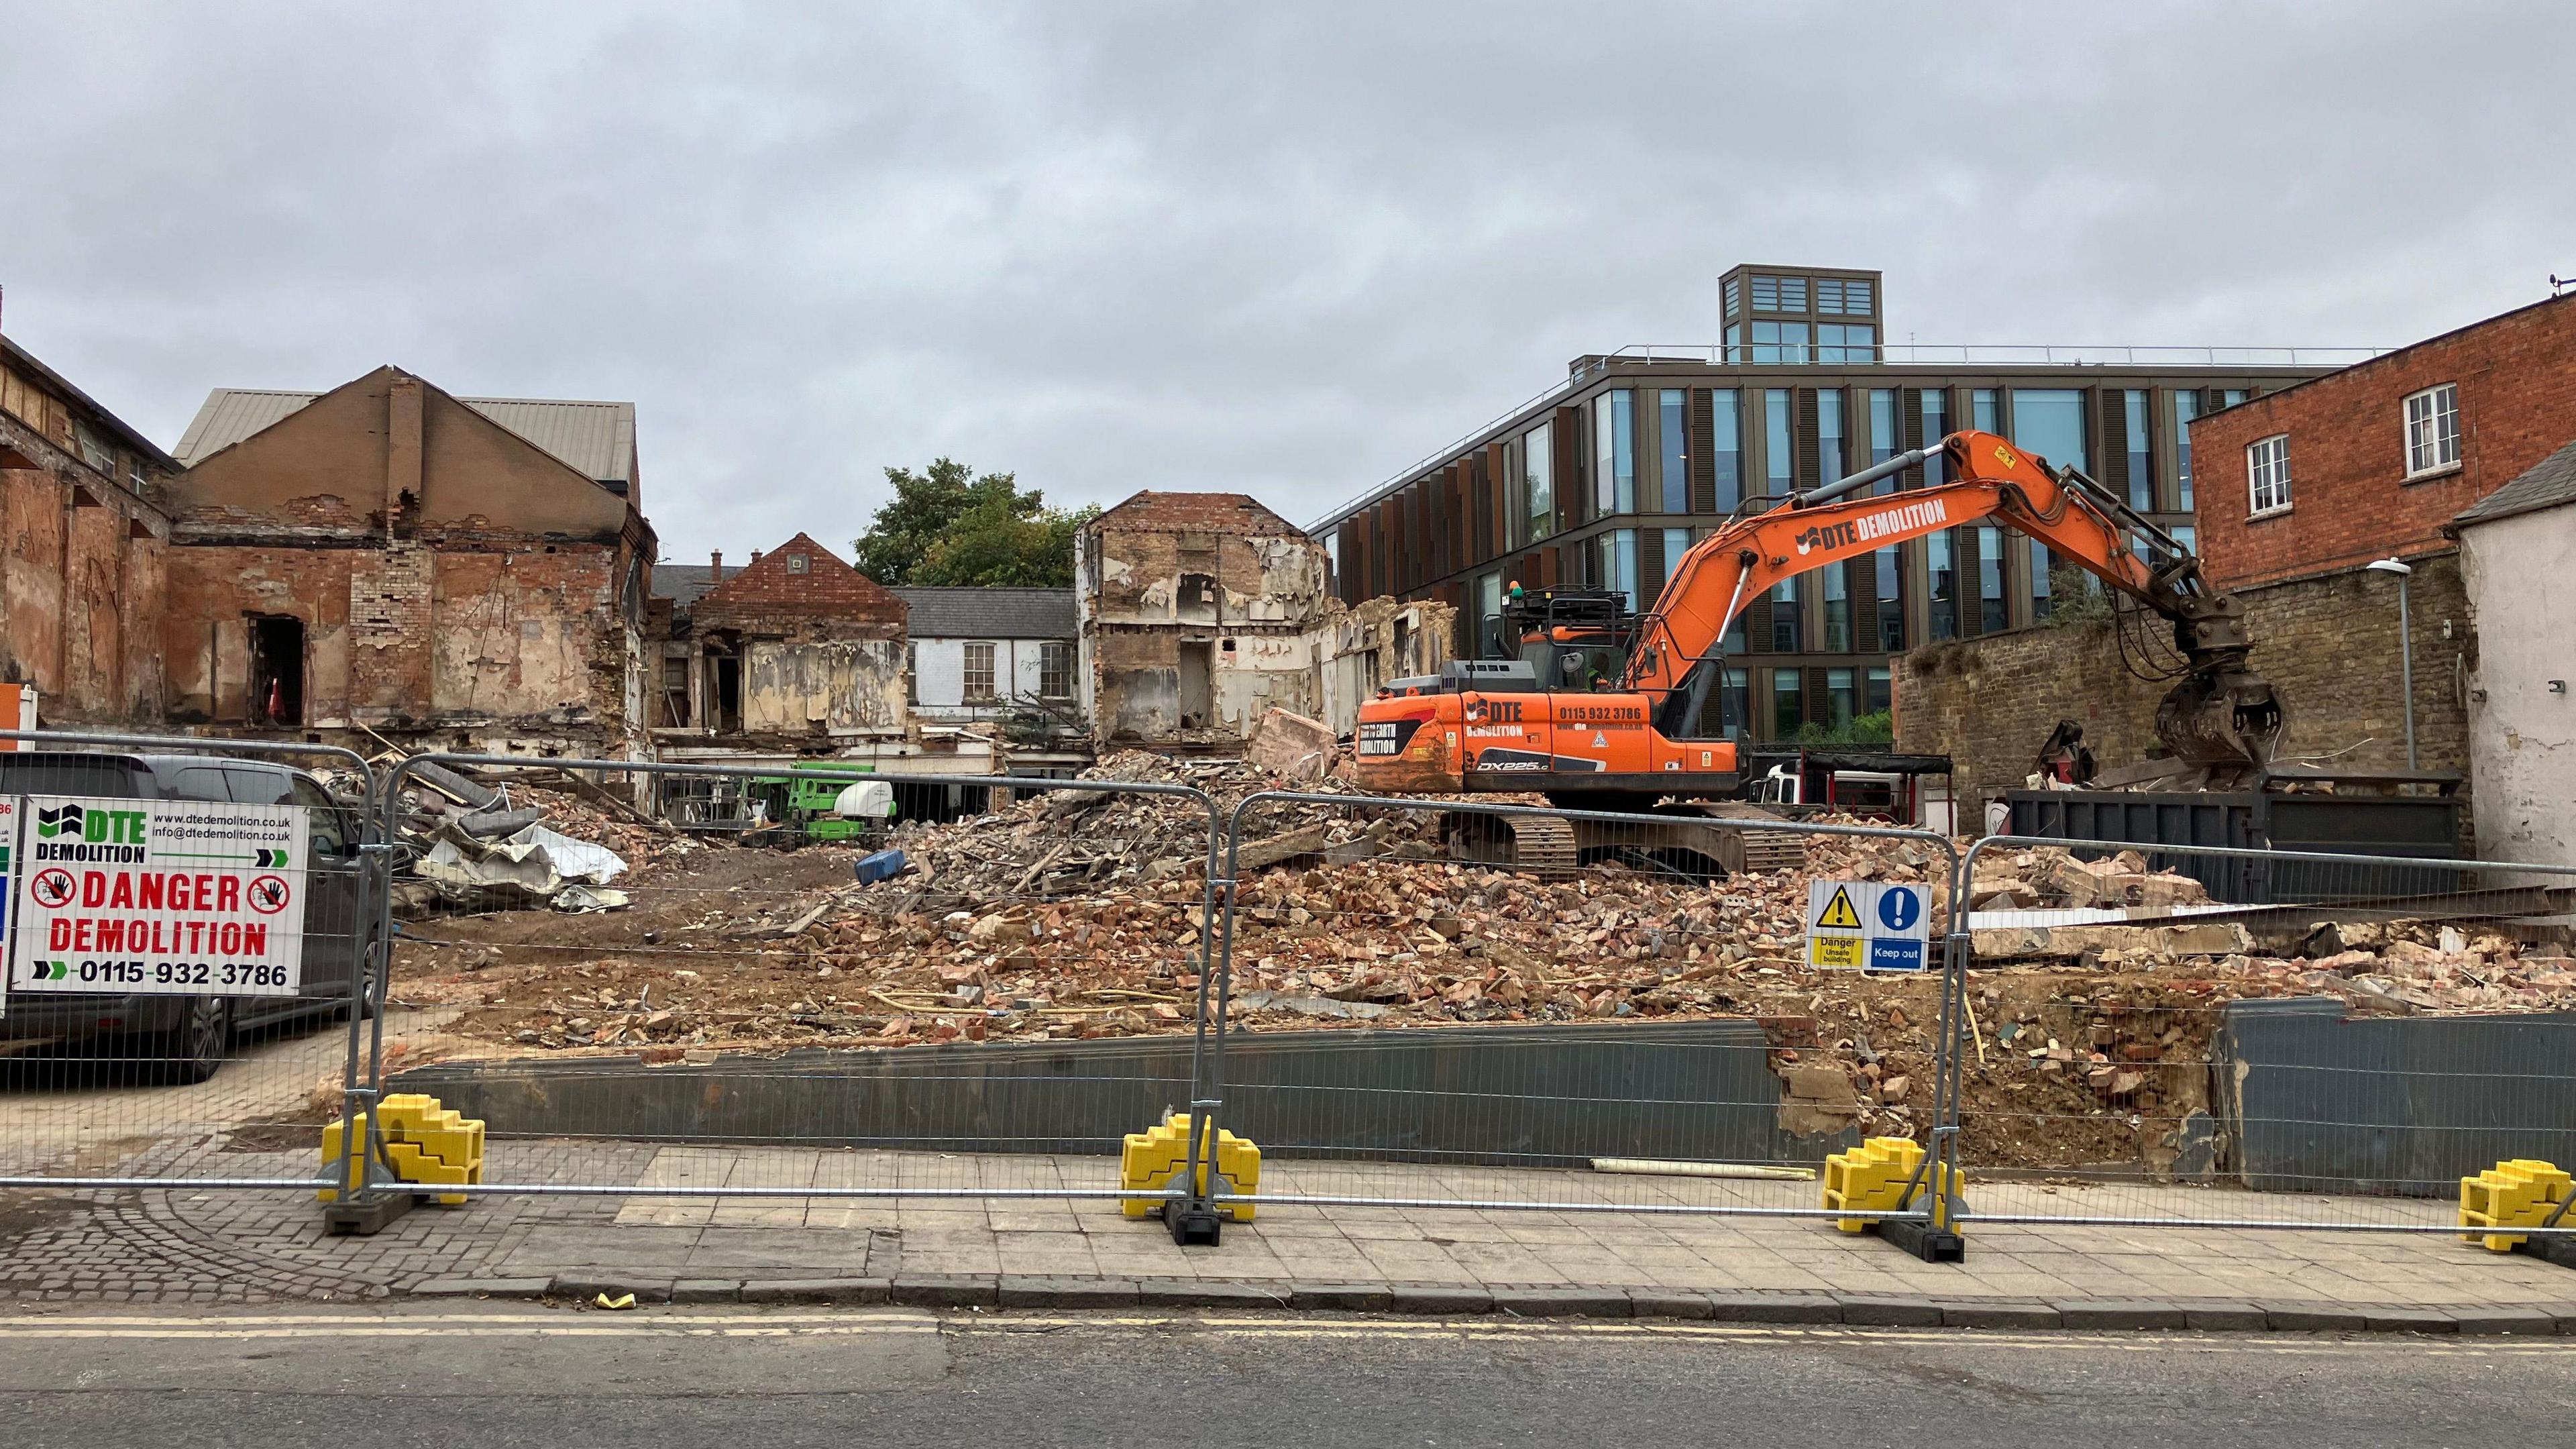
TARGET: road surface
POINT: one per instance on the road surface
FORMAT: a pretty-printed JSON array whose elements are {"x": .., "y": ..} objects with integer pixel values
[{"x": 495, "y": 1376}]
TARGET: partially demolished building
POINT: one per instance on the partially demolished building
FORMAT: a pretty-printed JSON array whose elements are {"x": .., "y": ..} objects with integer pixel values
[
  {"x": 385, "y": 563},
  {"x": 82, "y": 541},
  {"x": 1200, "y": 612}
]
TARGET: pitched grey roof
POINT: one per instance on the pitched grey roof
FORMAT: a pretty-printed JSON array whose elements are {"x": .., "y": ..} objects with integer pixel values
[
  {"x": 2548, "y": 483},
  {"x": 988, "y": 613},
  {"x": 597, "y": 439},
  {"x": 686, "y": 582}
]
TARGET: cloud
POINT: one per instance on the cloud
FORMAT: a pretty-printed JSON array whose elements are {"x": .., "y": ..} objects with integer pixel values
[{"x": 1285, "y": 249}]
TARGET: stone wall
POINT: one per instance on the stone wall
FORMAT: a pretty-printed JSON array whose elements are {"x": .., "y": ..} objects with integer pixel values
[{"x": 2328, "y": 644}]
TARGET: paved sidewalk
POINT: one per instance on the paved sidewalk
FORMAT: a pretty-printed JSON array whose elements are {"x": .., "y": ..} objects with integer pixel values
[{"x": 208, "y": 1245}]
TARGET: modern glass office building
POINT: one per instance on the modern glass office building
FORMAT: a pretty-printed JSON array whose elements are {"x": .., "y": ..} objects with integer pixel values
[{"x": 1608, "y": 477}]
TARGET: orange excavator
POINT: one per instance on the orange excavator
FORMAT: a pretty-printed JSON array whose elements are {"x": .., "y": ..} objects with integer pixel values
[{"x": 1492, "y": 725}]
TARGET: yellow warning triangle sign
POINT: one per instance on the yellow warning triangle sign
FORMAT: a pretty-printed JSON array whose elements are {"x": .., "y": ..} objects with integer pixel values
[{"x": 1838, "y": 913}]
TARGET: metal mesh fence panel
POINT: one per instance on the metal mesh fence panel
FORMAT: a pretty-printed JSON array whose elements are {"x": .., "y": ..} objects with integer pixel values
[
  {"x": 1436, "y": 1003},
  {"x": 2247, "y": 1038},
  {"x": 180, "y": 970},
  {"x": 746, "y": 1014}
]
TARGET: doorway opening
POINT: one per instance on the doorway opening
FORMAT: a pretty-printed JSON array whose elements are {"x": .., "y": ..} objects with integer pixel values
[
  {"x": 1198, "y": 700},
  {"x": 728, "y": 710},
  {"x": 276, "y": 669}
]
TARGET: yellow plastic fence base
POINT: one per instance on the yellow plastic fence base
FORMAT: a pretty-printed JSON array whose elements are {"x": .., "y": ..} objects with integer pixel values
[
  {"x": 2519, "y": 1193},
  {"x": 1157, "y": 1159},
  {"x": 425, "y": 1143},
  {"x": 1872, "y": 1178}
]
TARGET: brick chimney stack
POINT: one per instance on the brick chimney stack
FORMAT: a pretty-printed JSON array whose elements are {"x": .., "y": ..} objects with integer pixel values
[{"x": 715, "y": 566}]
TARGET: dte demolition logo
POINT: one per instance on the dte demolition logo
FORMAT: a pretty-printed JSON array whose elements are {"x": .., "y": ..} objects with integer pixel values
[{"x": 109, "y": 837}]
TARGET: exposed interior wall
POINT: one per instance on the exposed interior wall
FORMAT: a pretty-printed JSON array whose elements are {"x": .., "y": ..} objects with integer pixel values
[
  {"x": 82, "y": 580},
  {"x": 437, "y": 572},
  {"x": 2328, "y": 644},
  {"x": 829, "y": 686},
  {"x": 1376, "y": 640},
  {"x": 2520, "y": 576},
  {"x": 795, "y": 651},
  {"x": 1190, "y": 634}
]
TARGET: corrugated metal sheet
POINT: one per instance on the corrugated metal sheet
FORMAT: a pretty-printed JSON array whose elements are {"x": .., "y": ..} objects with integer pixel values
[
  {"x": 230, "y": 414},
  {"x": 596, "y": 439}
]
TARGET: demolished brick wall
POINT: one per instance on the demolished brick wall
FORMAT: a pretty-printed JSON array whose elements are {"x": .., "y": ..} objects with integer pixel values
[
  {"x": 1197, "y": 614},
  {"x": 82, "y": 541},
  {"x": 821, "y": 646}
]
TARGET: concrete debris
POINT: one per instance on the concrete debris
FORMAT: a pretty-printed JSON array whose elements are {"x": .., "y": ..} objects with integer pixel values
[
  {"x": 1291, "y": 746},
  {"x": 1067, "y": 842}
]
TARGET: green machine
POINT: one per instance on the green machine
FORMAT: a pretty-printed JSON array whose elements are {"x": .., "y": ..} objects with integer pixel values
[{"x": 806, "y": 801}]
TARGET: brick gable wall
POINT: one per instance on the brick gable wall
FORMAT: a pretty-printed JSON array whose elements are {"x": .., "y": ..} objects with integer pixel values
[{"x": 2350, "y": 498}]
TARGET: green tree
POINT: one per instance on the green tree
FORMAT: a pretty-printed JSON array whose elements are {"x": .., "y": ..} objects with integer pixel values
[{"x": 946, "y": 525}]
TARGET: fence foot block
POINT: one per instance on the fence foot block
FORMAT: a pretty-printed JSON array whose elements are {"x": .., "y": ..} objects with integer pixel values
[
  {"x": 1194, "y": 1226},
  {"x": 367, "y": 1218},
  {"x": 2555, "y": 1248},
  {"x": 1931, "y": 1244}
]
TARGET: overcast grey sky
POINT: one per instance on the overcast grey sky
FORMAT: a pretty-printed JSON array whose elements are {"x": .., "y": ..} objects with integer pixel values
[{"x": 1285, "y": 249}]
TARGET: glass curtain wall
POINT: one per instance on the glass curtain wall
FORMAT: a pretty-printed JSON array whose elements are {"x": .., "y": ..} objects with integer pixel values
[
  {"x": 1891, "y": 598},
  {"x": 1991, "y": 615},
  {"x": 1778, "y": 441},
  {"x": 2186, "y": 408},
  {"x": 2142, "y": 473},
  {"x": 1831, "y": 449},
  {"x": 1614, "y": 459},
  {"x": 1941, "y": 556},
  {"x": 1672, "y": 414},
  {"x": 1538, "y": 481},
  {"x": 1883, "y": 440},
  {"x": 1728, "y": 428},
  {"x": 2049, "y": 421},
  {"x": 1936, "y": 426}
]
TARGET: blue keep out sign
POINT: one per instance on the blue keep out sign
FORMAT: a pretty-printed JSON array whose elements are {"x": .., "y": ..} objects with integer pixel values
[
  {"x": 1868, "y": 925},
  {"x": 1890, "y": 953}
]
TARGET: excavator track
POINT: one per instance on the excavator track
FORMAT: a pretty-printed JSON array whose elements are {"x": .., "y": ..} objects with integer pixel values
[{"x": 1541, "y": 842}]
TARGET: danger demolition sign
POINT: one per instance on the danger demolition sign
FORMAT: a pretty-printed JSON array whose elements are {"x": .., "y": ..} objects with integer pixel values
[
  {"x": 1865, "y": 926},
  {"x": 156, "y": 897}
]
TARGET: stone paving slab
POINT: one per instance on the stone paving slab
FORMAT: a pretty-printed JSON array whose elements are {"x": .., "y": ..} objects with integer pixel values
[{"x": 219, "y": 1246}]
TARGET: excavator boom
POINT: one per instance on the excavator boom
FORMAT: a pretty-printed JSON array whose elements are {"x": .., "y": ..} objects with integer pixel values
[{"x": 1489, "y": 729}]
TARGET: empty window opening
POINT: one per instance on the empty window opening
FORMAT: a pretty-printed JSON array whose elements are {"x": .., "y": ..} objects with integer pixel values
[{"x": 277, "y": 670}]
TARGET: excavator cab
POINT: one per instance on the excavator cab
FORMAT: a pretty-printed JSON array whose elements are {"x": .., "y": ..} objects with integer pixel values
[{"x": 1572, "y": 638}]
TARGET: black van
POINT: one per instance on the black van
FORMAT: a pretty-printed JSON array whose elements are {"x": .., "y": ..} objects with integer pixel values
[{"x": 191, "y": 1035}]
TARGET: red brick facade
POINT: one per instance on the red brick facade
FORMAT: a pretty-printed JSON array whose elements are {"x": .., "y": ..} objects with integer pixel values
[
  {"x": 2350, "y": 498},
  {"x": 801, "y": 579}
]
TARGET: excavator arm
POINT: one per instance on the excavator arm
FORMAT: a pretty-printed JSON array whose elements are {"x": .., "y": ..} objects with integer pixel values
[{"x": 2220, "y": 715}]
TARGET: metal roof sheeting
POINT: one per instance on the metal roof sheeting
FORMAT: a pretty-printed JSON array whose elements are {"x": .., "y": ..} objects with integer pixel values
[{"x": 596, "y": 439}]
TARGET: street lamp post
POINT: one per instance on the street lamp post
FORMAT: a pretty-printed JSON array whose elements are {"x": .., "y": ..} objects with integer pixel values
[{"x": 2405, "y": 649}]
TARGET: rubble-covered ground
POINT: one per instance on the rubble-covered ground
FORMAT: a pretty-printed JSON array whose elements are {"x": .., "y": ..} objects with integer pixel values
[{"x": 1077, "y": 915}]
